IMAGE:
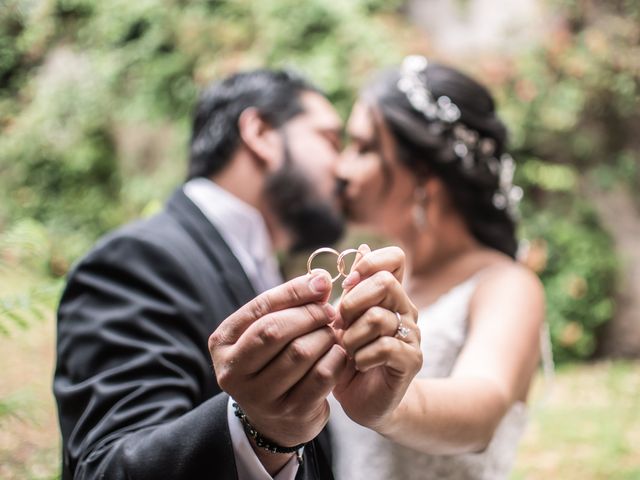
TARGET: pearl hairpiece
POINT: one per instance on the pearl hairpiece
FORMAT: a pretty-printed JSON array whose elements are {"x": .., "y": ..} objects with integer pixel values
[{"x": 468, "y": 146}]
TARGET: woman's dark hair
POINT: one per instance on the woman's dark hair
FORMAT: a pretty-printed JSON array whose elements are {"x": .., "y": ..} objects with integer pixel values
[
  {"x": 215, "y": 135},
  {"x": 427, "y": 146}
]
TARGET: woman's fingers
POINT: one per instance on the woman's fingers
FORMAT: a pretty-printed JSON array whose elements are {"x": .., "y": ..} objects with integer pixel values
[
  {"x": 374, "y": 323},
  {"x": 392, "y": 259},
  {"x": 381, "y": 289},
  {"x": 401, "y": 358}
]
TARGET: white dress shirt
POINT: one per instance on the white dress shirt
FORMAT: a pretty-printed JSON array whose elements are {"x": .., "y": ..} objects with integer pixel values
[{"x": 244, "y": 231}]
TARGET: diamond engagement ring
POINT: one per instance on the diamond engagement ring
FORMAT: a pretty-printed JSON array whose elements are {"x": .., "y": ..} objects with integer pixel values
[{"x": 401, "y": 331}]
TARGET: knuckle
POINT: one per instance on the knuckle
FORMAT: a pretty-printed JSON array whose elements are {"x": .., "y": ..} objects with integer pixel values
[
  {"x": 376, "y": 318},
  {"x": 298, "y": 351},
  {"x": 214, "y": 341},
  {"x": 384, "y": 279},
  {"x": 293, "y": 294},
  {"x": 346, "y": 304},
  {"x": 387, "y": 345},
  {"x": 314, "y": 312},
  {"x": 270, "y": 332},
  {"x": 323, "y": 376},
  {"x": 261, "y": 306}
]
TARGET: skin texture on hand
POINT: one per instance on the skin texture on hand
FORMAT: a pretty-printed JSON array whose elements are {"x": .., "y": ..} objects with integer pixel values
[
  {"x": 278, "y": 358},
  {"x": 381, "y": 365}
]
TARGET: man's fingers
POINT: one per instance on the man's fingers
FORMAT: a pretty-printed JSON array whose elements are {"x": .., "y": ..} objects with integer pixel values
[
  {"x": 312, "y": 288},
  {"x": 321, "y": 379},
  {"x": 271, "y": 334},
  {"x": 294, "y": 363}
]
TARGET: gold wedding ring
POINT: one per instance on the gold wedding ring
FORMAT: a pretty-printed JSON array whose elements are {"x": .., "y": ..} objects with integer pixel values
[
  {"x": 339, "y": 262},
  {"x": 318, "y": 252}
]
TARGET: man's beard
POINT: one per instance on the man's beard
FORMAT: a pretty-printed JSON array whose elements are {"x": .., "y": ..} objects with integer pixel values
[{"x": 295, "y": 200}]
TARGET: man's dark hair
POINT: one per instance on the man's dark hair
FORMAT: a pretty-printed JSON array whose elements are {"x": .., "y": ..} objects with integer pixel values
[{"x": 215, "y": 135}]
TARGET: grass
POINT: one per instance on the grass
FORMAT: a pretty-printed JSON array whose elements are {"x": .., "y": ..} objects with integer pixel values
[{"x": 588, "y": 428}]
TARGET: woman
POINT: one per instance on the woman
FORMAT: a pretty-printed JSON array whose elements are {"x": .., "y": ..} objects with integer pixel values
[{"x": 427, "y": 168}]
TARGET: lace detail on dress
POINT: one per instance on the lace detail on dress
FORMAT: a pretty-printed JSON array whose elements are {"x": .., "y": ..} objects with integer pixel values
[{"x": 360, "y": 453}]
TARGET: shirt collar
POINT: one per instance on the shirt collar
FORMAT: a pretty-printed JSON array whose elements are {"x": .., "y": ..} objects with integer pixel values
[{"x": 241, "y": 225}]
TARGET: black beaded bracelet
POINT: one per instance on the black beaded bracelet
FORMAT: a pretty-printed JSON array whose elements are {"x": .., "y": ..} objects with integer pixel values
[{"x": 262, "y": 441}]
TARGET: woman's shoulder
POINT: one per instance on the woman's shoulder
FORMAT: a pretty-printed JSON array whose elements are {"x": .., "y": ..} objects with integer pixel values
[{"x": 508, "y": 281}]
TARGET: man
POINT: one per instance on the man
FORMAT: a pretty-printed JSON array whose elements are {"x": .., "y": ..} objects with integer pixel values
[{"x": 136, "y": 394}]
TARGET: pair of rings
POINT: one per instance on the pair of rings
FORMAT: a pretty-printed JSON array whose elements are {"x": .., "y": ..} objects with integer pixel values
[
  {"x": 339, "y": 262},
  {"x": 401, "y": 331}
]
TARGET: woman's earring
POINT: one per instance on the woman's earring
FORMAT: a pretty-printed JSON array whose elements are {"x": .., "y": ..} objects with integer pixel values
[{"x": 419, "y": 212}]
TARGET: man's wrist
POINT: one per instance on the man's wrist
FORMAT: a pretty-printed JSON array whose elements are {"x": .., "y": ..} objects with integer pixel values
[
  {"x": 255, "y": 463},
  {"x": 272, "y": 462},
  {"x": 260, "y": 440}
]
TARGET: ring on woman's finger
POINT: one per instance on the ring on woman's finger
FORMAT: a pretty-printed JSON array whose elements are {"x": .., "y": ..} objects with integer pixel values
[{"x": 401, "y": 331}]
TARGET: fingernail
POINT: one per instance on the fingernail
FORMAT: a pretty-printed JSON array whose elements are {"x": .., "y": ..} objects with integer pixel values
[
  {"x": 319, "y": 282},
  {"x": 352, "y": 279},
  {"x": 329, "y": 310}
]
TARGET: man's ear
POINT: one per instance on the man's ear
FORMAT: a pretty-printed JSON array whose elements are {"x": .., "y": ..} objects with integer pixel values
[{"x": 261, "y": 139}]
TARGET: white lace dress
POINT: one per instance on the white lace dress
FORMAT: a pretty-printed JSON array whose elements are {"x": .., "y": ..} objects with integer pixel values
[{"x": 360, "y": 453}]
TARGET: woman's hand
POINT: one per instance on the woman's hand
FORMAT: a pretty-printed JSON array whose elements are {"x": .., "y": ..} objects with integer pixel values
[{"x": 384, "y": 358}]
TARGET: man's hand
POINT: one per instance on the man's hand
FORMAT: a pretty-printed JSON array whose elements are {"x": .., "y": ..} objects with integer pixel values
[
  {"x": 278, "y": 358},
  {"x": 382, "y": 363}
]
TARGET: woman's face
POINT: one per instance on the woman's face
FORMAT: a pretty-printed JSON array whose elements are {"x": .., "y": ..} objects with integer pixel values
[{"x": 379, "y": 190}]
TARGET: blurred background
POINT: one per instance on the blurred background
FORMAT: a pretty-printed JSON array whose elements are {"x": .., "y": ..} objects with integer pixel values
[{"x": 95, "y": 103}]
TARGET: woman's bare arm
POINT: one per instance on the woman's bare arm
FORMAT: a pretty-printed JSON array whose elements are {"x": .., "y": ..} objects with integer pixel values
[{"x": 460, "y": 413}]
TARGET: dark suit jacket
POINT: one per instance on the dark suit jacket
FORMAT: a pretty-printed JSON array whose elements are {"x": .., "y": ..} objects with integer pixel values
[{"x": 137, "y": 396}]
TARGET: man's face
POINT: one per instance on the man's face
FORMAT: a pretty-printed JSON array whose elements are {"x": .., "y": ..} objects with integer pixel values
[{"x": 303, "y": 191}]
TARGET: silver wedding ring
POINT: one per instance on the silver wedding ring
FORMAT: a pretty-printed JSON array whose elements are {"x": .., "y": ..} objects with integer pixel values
[{"x": 401, "y": 331}]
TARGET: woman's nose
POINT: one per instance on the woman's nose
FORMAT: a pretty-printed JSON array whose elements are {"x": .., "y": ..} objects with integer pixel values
[{"x": 342, "y": 165}]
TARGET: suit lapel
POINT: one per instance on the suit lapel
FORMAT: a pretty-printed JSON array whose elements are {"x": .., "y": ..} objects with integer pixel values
[{"x": 210, "y": 241}]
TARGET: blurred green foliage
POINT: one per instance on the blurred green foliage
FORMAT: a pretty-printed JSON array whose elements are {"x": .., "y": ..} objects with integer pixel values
[
  {"x": 578, "y": 270},
  {"x": 87, "y": 86},
  {"x": 572, "y": 104},
  {"x": 95, "y": 100}
]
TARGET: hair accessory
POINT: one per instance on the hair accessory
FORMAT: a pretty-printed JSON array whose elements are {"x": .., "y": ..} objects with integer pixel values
[
  {"x": 469, "y": 147},
  {"x": 420, "y": 96},
  {"x": 508, "y": 195}
]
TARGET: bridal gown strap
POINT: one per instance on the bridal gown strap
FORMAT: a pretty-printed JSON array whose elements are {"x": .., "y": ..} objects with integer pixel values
[{"x": 360, "y": 453}]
